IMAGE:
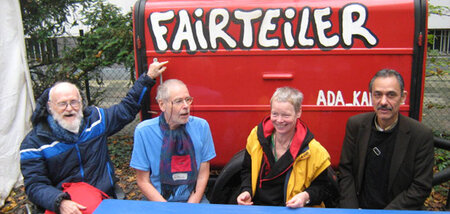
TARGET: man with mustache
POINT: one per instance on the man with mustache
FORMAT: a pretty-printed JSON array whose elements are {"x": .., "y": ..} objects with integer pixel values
[
  {"x": 68, "y": 143},
  {"x": 387, "y": 158},
  {"x": 171, "y": 152}
]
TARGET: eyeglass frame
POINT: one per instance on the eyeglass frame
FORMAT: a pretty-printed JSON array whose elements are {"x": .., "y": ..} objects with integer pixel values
[
  {"x": 179, "y": 101},
  {"x": 75, "y": 104}
]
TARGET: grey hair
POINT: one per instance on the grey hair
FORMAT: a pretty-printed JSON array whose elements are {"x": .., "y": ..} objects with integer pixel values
[
  {"x": 288, "y": 94},
  {"x": 163, "y": 90},
  {"x": 388, "y": 73}
]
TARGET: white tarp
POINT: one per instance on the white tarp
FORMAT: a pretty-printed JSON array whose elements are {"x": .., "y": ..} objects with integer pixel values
[{"x": 16, "y": 96}]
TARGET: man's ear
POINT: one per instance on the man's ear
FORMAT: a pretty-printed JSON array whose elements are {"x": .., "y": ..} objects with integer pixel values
[
  {"x": 48, "y": 108},
  {"x": 405, "y": 94},
  {"x": 162, "y": 106}
]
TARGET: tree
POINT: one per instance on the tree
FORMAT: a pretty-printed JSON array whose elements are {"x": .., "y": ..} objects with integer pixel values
[
  {"x": 44, "y": 19},
  {"x": 108, "y": 41}
]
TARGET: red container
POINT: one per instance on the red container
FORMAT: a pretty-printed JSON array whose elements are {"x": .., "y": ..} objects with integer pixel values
[{"x": 233, "y": 54}]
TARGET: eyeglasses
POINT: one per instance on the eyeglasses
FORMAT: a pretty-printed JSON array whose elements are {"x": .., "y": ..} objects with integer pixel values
[
  {"x": 180, "y": 101},
  {"x": 74, "y": 103}
]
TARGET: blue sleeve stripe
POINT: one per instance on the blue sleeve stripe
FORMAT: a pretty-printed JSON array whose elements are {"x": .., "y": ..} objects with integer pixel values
[
  {"x": 56, "y": 148},
  {"x": 110, "y": 172},
  {"x": 30, "y": 155},
  {"x": 46, "y": 151},
  {"x": 100, "y": 113},
  {"x": 142, "y": 95}
]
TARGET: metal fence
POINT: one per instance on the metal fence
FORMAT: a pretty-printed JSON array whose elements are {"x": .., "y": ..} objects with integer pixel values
[
  {"x": 436, "y": 109},
  {"x": 116, "y": 84}
]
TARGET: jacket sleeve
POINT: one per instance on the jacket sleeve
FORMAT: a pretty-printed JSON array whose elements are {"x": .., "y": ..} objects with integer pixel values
[
  {"x": 38, "y": 186},
  {"x": 119, "y": 115},
  {"x": 347, "y": 183},
  {"x": 246, "y": 184},
  {"x": 417, "y": 192},
  {"x": 322, "y": 189}
]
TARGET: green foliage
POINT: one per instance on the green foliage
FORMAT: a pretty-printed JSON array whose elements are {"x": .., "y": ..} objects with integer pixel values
[
  {"x": 442, "y": 158},
  {"x": 108, "y": 41},
  {"x": 44, "y": 19},
  {"x": 438, "y": 10},
  {"x": 442, "y": 161}
]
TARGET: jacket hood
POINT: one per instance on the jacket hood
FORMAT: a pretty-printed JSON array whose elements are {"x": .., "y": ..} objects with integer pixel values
[{"x": 40, "y": 113}]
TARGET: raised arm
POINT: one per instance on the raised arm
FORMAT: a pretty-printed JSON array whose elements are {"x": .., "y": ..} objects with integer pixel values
[{"x": 119, "y": 115}]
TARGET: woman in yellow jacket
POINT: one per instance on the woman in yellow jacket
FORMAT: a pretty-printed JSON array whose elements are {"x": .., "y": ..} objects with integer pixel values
[{"x": 284, "y": 165}]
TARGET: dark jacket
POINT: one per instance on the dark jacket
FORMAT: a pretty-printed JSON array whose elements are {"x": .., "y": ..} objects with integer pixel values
[
  {"x": 410, "y": 174},
  {"x": 47, "y": 162}
]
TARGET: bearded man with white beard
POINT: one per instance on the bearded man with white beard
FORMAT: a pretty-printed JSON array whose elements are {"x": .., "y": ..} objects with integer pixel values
[{"x": 68, "y": 143}]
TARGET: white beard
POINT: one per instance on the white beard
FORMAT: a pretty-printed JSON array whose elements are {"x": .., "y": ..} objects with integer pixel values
[{"x": 74, "y": 126}]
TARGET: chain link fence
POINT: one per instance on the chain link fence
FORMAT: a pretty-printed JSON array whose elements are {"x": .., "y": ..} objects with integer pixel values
[
  {"x": 116, "y": 84},
  {"x": 436, "y": 109}
]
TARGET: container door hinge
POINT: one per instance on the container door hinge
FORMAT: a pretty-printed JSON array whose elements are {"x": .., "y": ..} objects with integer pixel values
[
  {"x": 420, "y": 39},
  {"x": 139, "y": 45}
]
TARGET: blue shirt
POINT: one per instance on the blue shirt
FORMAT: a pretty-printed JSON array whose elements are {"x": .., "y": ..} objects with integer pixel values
[{"x": 148, "y": 140}]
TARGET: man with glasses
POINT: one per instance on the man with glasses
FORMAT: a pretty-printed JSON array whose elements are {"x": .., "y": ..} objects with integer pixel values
[
  {"x": 171, "y": 152},
  {"x": 68, "y": 143}
]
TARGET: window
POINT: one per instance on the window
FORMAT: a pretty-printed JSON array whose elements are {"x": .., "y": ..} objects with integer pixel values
[{"x": 441, "y": 40}]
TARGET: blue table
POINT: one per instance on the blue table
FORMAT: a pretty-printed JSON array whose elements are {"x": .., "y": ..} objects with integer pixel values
[{"x": 111, "y": 206}]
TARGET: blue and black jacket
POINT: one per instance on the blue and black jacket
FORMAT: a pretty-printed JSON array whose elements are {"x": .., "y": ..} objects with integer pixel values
[{"x": 47, "y": 162}]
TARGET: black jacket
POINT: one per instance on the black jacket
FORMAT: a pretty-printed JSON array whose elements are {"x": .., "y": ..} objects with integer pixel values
[{"x": 410, "y": 174}]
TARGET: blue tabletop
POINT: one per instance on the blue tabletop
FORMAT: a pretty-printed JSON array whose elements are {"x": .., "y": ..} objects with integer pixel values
[{"x": 112, "y": 206}]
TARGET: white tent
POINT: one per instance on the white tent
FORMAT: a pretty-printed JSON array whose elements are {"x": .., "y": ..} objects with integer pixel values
[{"x": 16, "y": 96}]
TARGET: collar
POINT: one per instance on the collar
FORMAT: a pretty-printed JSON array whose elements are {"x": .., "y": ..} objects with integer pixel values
[
  {"x": 378, "y": 127},
  {"x": 297, "y": 140}
]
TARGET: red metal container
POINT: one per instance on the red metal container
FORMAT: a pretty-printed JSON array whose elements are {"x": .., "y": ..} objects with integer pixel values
[{"x": 233, "y": 55}]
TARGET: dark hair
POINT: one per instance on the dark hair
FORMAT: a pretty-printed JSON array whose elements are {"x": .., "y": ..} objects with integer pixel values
[{"x": 388, "y": 73}]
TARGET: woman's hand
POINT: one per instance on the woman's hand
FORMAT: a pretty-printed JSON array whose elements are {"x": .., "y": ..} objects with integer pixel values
[
  {"x": 299, "y": 200},
  {"x": 245, "y": 199}
]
